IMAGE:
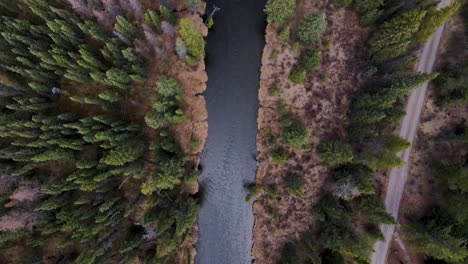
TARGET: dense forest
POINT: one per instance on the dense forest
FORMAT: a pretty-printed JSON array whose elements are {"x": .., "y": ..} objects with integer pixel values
[
  {"x": 351, "y": 210},
  {"x": 84, "y": 177},
  {"x": 442, "y": 231}
]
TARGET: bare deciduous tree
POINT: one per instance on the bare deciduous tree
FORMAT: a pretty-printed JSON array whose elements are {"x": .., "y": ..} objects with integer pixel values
[
  {"x": 17, "y": 220},
  {"x": 25, "y": 194},
  {"x": 81, "y": 7}
]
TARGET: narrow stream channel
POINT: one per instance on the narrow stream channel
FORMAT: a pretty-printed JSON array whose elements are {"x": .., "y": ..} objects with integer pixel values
[{"x": 234, "y": 53}]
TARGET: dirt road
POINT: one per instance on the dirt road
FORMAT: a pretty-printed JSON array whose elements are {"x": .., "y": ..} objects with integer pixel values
[
  {"x": 234, "y": 51},
  {"x": 408, "y": 130}
]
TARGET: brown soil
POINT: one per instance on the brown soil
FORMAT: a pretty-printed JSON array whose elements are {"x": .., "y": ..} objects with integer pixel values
[
  {"x": 432, "y": 142},
  {"x": 322, "y": 104}
]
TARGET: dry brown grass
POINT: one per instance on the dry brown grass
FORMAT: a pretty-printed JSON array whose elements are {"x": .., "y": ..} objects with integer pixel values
[{"x": 322, "y": 104}]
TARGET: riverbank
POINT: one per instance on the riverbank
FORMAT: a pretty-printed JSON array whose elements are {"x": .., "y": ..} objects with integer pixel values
[{"x": 321, "y": 104}]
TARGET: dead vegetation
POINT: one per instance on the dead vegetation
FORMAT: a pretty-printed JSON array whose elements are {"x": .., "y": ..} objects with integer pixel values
[{"x": 322, "y": 104}]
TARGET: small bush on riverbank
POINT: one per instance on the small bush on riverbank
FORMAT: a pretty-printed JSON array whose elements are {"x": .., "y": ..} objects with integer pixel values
[
  {"x": 280, "y": 156},
  {"x": 280, "y": 11},
  {"x": 311, "y": 60},
  {"x": 253, "y": 190},
  {"x": 295, "y": 134},
  {"x": 298, "y": 75},
  {"x": 294, "y": 186}
]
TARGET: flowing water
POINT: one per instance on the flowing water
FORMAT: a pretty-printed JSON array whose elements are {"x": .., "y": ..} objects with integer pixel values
[{"x": 234, "y": 50}]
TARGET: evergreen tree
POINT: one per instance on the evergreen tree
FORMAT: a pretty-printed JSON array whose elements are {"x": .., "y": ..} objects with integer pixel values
[
  {"x": 193, "y": 39},
  {"x": 335, "y": 153},
  {"x": 393, "y": 38},
  {"x": 280, "y": 11},
  {"x": 434, "y": 19}
]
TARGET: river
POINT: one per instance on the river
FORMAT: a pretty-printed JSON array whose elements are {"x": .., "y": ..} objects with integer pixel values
[{"x": 234, "y": 50}]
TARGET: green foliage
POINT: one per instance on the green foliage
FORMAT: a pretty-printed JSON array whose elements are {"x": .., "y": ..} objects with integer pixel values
[
  {"x": 289, "y": 254},
  {"x": 374, "y": 209},
  {"x": 451, "y": 86},
  {"x": 272, "y": 192},
  {"x": 280, "y": 156},
  {"x": 210, "y": 23},
  {"x": 167, "y": 109},
  {"x": 343, "y": 2},
  {"x": 454, "y": 175},
  {"x": 274, "y": 90},
  {"x": 280, "y": 11},
  {"x": 379, "y": 158},
  {"x": 284, "y": 35},
  {"x": 123, "y": 154},
  {"x": 311, "y": 252},
  {"x": 311, "y": 29},
  {"x": 193, "y": 39},
  {"x": 82, "y": 158},
  {"x": 335, "y": 153},
  {"x": 125, "y": 28},
  {"x": 434, "y": 19},
  {"x": 253, "y": 191},
  {"x": 169, "y": 87},
  {"x": 281, "y": 107},
  {"x": 359, "y": 175},
  {"x": 438, "y": 239},
  {"x": 394, "y": 37},
  {"x": 294, "y": 186},
  {"x": 167, "y": 15},
  {"x": 310, "y": 60},
  {"x": 153, "y": 20},
  {"x": 295, "y": 134},
  {"x": 298, "y": 75},
  {"x": 370, "y": 10}
]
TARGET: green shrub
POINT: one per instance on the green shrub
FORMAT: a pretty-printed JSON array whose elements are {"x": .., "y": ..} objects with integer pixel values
[
  {"x": 335, "y": 153},
  {"x": 274, "y": 90},
  {"x": 342, "y": 2},
  {"x": 294, "y": 186},
  {"x": 280, "y": 11},
  {"x": 269, "y": 138},
  {"x": 272, "y": 213},
  {"x": 253, "y": 190},
  {"x": 289, "y": 254},
  {"x": 298, "y": 75},
  {"x": 169, "y": 87},
  {"x": 284, "y": 35},
  {"x": 280, "y": 156},
  {"x": 311, "y": 29},
  {"x": 272, "y": 192},
  {"x": 311, "y": 60},
  {"x": 194, "y": 143},
  {"x": 295, "y": 135},
  {"x": 281, "y": 107},
  {"x": 193, "y": 39}
]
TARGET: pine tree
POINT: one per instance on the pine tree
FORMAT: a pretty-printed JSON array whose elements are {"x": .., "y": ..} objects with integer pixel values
[
  {"x": 434, "y": 19},
  {"x": 152, "y": 19},
  {"x": 123, "y": 154},
  {"x": 394, "y": 37},
  {"x": 335, "y": 153},
  {"x": 125, "y": 28}
]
